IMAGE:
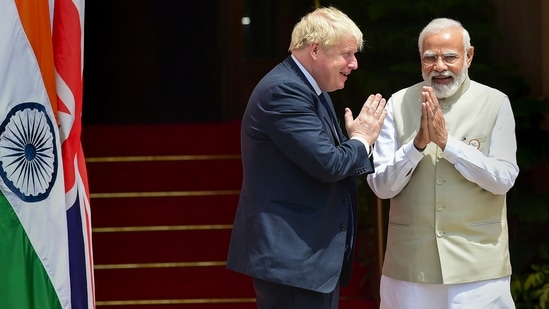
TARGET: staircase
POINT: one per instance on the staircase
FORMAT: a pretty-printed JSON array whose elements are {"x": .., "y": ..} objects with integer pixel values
[{"x": 163, "y": 198}]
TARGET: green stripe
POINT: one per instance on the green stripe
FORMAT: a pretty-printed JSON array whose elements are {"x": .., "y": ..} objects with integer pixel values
[{"x": 24, "y": 283}]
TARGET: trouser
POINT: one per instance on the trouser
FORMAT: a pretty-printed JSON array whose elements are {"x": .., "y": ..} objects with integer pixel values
[
  {"x": 271, "y": 295},
  {"x": 487, "y": 294}
]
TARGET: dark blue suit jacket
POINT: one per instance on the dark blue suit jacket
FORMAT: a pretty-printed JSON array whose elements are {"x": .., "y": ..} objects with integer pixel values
[{"x": 299, "y": 185}]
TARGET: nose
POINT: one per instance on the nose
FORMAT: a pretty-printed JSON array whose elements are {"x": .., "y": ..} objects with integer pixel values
[
  {"x": 440, "y": 65},
  {"x": 353, "y": 63}
]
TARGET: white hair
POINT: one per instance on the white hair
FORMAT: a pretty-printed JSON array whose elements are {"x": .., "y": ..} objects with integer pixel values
[{"x": 438, "y": 25}]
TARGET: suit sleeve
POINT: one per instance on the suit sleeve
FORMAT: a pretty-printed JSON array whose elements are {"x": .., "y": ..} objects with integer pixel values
[{"x": 291, "y": 121}]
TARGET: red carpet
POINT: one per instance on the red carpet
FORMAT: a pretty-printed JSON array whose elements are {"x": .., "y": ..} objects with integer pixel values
[{"x": 163, "y": 199}]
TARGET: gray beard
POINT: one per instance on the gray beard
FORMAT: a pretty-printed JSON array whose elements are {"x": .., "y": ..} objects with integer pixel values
[{"x": 446, "y": 91}]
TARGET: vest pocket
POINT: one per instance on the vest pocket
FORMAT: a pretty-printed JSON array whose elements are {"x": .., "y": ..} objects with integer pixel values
[{"x": 485, "y": 232}]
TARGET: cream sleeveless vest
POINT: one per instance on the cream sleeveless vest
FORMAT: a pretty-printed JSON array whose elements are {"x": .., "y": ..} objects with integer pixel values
[{"x": 442, "y": 227}]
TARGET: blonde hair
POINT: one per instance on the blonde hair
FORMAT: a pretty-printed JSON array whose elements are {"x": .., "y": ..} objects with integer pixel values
[{"x": 326, "y": 26}]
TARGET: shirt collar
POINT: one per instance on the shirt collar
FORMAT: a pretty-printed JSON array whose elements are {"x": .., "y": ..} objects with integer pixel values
[{"x": 308, "y": 76}]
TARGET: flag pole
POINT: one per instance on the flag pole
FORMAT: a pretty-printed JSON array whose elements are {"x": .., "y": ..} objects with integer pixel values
[{"x": 380, "y": 238}]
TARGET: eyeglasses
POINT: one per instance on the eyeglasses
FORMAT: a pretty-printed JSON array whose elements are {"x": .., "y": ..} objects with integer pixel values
[{"x": 446, "y": 58}]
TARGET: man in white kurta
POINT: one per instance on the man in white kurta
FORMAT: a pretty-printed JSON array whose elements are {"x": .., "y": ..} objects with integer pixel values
[{"x": 446, "y": 157}]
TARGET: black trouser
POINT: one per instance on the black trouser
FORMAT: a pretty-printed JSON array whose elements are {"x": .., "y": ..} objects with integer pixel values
[{"x": 271, "y": 295}]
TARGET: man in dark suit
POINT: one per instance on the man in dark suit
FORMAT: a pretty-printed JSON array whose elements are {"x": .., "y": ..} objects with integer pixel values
[{"x": 294, "y": 227}]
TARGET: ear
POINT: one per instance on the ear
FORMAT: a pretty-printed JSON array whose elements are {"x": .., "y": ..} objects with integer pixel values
[
  {"x": 470, "y": 54},
  {"x": 313, "y": 49}
]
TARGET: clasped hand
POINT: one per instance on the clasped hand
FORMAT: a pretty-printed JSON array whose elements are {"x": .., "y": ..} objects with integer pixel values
[
  {"x": 367, "y": 124},
  {"x": 432, "y": 126}
]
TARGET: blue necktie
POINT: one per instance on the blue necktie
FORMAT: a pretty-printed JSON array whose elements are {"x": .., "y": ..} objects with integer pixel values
[{"x": 333, "y": 121}]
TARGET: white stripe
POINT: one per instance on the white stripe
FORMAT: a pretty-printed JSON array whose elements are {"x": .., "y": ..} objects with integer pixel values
[{"x": 66, "y": 121}]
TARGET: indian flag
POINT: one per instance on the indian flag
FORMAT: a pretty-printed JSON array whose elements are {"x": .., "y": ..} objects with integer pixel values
[{"x": 35, "y": 262}]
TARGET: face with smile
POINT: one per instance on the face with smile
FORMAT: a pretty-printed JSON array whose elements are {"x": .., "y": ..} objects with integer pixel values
[
  {"x": 334, "y": 64},
  {"x": 444, "y": 61}
]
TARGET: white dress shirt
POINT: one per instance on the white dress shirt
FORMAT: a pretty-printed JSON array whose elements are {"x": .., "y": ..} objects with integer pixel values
[{"x": 495, "y": 173}]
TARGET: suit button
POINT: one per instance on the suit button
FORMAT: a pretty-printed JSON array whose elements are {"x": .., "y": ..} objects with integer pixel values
[
  {"x": 343, "y": 227},
  {"x": 440, "y": 233}
]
